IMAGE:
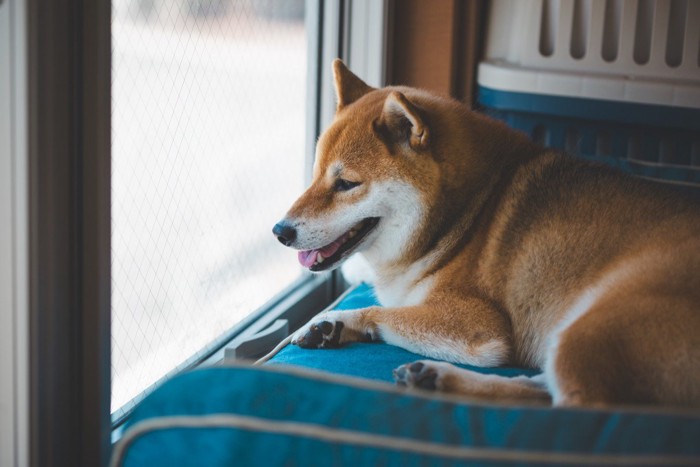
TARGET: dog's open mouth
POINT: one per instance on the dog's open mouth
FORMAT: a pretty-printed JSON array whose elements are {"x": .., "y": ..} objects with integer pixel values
[{"x": 328, "y": 256}]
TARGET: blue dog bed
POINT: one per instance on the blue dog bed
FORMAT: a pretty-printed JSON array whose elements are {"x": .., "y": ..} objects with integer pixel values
[{"x": 337, "y": 407}]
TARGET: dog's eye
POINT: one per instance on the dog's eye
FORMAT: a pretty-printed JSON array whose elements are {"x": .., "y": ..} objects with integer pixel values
[{"x": 345, "y": 185}]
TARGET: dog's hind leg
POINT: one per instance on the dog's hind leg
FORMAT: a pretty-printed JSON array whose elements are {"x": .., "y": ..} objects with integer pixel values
[
  {"x": 641, "y": 348},
  {"x": 444, "y": 377}
]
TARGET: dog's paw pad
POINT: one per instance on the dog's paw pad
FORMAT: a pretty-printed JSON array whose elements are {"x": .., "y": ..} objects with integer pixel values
[
  {"x": 417, "y": 375},
  {"x": 324, "y": 334}
]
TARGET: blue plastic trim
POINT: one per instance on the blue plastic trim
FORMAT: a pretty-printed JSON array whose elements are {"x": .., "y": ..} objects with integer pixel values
[
  {"x": 592, "y": 109},
  {"x": 682, "y": 175}
]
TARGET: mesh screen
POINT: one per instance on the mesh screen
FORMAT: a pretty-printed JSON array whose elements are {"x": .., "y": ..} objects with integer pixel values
[{"x": 208, "y": 130}]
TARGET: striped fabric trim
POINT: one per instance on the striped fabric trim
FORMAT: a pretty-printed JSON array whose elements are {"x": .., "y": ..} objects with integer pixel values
[{"x": 369, "y": 440}]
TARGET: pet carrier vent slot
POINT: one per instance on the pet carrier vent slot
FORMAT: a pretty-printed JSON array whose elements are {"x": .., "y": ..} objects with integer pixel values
[
  {"x": 572, "y": 141},
  {"x": 611, "y": 30},
  {"x": 695, "y": 154},
  {"x": 634, "y": 147},
  {"x": 676, "y": 32},
  {"x": 667, "y": 152},
  {"x": 540, "y": 134},
  {"x": 580, "y": 28},
  {"x": 643, "y": 31},
  {"x": 548, "y": 27},
  {"x": 603, "y": 144}
]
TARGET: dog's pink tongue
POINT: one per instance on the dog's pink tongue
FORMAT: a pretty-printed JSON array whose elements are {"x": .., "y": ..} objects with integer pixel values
[{"x": 307, "y": 258}]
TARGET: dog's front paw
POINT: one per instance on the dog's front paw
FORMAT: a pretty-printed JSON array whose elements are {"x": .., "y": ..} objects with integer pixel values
[{"x": 320, "y": 333}]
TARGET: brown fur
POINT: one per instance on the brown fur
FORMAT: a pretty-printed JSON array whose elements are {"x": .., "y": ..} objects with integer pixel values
[{"x": 514, "y": 236}]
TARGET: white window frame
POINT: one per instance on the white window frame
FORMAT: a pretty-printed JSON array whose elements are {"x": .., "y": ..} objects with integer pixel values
[{"x": 14, "y": 255}]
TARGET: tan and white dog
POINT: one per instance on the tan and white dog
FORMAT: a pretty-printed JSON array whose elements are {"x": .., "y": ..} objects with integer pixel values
[{"x": 490, "y": 250}]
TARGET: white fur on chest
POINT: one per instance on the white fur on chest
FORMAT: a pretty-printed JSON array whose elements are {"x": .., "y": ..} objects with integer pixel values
[
  {"x": 402, "y": 290},
  {"x": 406, "y": 289}
]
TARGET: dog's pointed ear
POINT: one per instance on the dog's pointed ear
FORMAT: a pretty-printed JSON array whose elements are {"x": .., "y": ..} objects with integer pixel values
[
  {"x": 401, "y": 121},
  {"x": 348, "y": 87}
]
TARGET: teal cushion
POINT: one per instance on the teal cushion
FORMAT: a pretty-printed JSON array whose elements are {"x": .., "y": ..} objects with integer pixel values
[{"x": 274, "y": 415}]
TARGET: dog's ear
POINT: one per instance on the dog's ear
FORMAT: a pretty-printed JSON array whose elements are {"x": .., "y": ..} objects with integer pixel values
[
  {"x": 401, "y": 121},
  {"x": 348, "y": 87}
]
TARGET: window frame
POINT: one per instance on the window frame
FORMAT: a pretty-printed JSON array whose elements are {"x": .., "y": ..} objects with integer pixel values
[
  {"x": 68, "y": 53},
  {"x": 14, "y": 233}
]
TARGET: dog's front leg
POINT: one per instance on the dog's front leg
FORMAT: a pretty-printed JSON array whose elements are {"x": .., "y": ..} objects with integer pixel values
[{"x": 469, "y": 331}]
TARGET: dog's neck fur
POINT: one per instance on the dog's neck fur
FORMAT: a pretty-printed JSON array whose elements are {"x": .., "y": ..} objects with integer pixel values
[{"x": 459, "y": 203}]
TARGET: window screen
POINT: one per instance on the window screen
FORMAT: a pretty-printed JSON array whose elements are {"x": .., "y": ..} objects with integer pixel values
[{"x": 208, "y": 131}]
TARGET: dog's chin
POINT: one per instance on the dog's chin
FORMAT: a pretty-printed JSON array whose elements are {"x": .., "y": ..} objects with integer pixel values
[{"x": 348, "y": 243}]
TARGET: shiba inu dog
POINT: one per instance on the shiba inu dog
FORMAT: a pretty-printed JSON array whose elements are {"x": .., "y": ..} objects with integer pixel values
[{"x": 490, "y": 250}]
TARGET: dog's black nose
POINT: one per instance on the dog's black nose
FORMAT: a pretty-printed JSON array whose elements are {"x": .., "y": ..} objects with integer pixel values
[{"x": 285, "y": 233}]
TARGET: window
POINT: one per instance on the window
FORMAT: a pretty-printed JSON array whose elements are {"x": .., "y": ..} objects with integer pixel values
[
  {"x": 66, "y": 91},
  {"x": 208, "y": 149}
]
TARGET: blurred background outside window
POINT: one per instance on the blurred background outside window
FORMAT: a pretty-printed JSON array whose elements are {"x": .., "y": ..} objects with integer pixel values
[{"x": 208, "y": 132}]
